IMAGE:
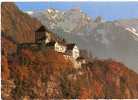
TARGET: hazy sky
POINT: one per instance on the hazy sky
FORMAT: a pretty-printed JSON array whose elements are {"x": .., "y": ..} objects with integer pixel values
[{"x": 108, "y": 10}]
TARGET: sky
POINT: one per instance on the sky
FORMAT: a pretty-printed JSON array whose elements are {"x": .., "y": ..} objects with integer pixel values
[{"x": 107, "y": 10}]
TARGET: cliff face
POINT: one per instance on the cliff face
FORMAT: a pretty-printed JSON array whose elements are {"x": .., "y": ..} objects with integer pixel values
[
  {"x": 17, "y": 24},
  {"x": 42, "y": 73}
]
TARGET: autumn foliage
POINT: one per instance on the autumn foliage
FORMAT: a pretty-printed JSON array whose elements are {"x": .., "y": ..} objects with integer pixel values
[{"x": 44, "y": 73}]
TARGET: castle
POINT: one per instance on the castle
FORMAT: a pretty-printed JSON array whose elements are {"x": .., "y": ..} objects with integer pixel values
[{"x": 70, "y": 50}]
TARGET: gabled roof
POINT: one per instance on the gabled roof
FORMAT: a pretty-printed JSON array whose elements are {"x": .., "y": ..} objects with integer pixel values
[
  {"x": 70, "y": 46},
  {"x": 61, "y": 43},
  {"x": 42, "y": 28},
  {"x": 80, "y": 58}
]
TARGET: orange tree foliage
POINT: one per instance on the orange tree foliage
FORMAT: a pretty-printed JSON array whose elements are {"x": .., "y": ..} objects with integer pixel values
[
  {"x": 85, "y": 93},
  {"x": 97, "y": 79},
  {"x": 7, "y": 46},
  {"x": 5, "y": 68}
]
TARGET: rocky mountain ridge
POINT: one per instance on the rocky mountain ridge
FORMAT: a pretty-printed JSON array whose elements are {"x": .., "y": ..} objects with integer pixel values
[{"x": 105, "y": 39}]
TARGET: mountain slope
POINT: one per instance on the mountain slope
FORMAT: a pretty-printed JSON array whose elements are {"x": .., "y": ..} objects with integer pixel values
[
  {"x": 42, "y": 73},
  {"x": 103, "y": 39},
  {"x": 16, "y": 24}
]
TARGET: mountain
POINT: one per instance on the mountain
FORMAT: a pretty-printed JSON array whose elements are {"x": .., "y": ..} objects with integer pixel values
[
  {"x": 17, "y": 25},
  {"x": 105, "y": 39},
  {"x": 129, "y": 23},
  {"x": 70, "y": 21},
  {"x": 39, "y": 72}
]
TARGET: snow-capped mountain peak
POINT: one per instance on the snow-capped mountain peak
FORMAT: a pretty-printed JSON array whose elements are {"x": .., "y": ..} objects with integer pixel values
[
  {"x": 51, "y": 10},
  {"x": 29, "y": 12},
  {"x": 134, "y": 32}
]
